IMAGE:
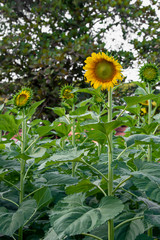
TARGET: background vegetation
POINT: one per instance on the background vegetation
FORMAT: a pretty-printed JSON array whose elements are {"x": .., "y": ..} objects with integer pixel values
[{"x": 44, "y": 42}]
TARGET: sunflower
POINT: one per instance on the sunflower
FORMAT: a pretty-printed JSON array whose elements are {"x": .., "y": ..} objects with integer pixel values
[
  {"x": 65, "y": 92},
  {"x": 23, "y": 97},
  {"x": 102, "y": 70},
  {"x": 149, "y": 73}
]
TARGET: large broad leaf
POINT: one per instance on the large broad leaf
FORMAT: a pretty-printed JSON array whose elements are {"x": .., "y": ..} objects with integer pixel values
[
  {"x": 62, "y": 129},
  {"x": 44, "y": 130},
  {"x": 132, "y": 139},
  {"x": 39, "y": 152},
  {"x": 83, "y": 186},
  {"x": 97, "y": 136},
  {"x": 130, "y": 230},
  {"x": 72, "y": 217},
  {"x": 134, "y": 100},
  {"x": 43, "y": 196},
  {"x": 51, "y": 235},
  {"x": 55, "y": 178},
  {"x": 8, "y": 123},
  {"x": 105, "y": 128},
  {"x": 73, "y": 155},
  {"x": 150, "y": 170},
  {"x": 151, "y": 188},
  {"x": 10, "y": 222},
  {"x": 143, "y": 237},
  {"x": 153, "y": 216},
  {"x": 79, "y": 111}
]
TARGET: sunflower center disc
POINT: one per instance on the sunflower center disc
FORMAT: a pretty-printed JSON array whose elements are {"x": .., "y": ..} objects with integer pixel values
[
  {"x": 104, "y": 71},
  {"x": 22, "y": 99},
  {"x": 149, "y": 73}
]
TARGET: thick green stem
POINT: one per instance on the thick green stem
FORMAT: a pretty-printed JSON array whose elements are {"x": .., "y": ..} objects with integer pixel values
[
  {"x": 73, "y": 128},
  {"x": 99, "y": 149},
  {"x": 22, "y": 173},
  {"x": 149, "y": 158},
  {"x": 0, "y": 135},
  {"x": 110, "y": 171},
  {"x": 73, "y": 141}
]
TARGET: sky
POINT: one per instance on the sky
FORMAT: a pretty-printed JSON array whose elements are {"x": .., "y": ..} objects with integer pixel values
[{"x": 114, "y": 39}]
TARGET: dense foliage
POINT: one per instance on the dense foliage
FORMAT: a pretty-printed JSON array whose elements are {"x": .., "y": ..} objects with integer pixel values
[
  {"x": 54, "y": 175},
  {"x": 44, "y": 43}
]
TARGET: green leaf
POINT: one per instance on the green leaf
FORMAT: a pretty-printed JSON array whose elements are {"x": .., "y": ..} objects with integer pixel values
[
  {"x": 42, "y": 131},
  {"x": 130, "y": 230},
  {"x": 143, "y": 237},
  {"x": 8, "y": 123},
  {"x": 153, "y": 216},
  {"x": 51, "y": 234},
  {"x": 39, "y": 152},
  {"x": 72, "y": 217},
  {"x": 89, "y": 90},
  {"x": 55, "y": 178},
  {"x": 62, "y": 129},
  {"x": 2, "y": 146},
  {"x": 79, "y": 111},
  {"x": 33, "y": 108},
  {"x": 83, "y": 186},
  {"x": 58, "y": 110},
  {"x": 151, "y": 188},
  {"x": 1, "y": 106},
  {"x": 43, "y": 196},
  {"x": 105, "y": 128},
  {"x": 133, "y": 138},
  {"x": 3, "y": 172},
  {"x": 10, "y": 222},
  {"x": 73, "y": 155},
  {"x": 97, "y": 136},
  {"x": 135, "y": 99}
]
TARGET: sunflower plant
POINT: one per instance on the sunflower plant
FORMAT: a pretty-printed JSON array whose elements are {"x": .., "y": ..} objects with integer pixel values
[{"x": 97, "y": 185}]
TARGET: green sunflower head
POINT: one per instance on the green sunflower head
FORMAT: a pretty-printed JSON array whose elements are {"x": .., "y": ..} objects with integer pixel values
[
  {"x": 23, "y": 98},
  {"x": 66, "y": 93},
  {"x": 149, "y": 73}
]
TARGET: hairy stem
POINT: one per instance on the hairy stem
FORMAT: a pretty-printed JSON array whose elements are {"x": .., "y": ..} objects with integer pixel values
[
  {"x": 22, "y": 173},
  {"x": 110, "y": 170}
]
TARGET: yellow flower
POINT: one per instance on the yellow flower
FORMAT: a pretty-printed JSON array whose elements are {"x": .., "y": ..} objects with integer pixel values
[
  {"x": 146, "y": 103},
  {"x": 66, "y": 92},
  {"x": 23, "y": 97},
  {"x": 102, "y": 70},
  {"x": 149, "y": 73},
  {"x": 143, "y": 111}
]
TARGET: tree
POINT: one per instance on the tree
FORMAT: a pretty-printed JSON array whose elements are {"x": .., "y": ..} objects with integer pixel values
[{"x": 44, "y": 42}]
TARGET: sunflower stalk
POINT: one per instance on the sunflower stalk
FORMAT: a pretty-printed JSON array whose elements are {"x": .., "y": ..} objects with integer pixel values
[
  {"x": 110, "y": 170},
  {"x": 73, "y": 141},
  {"x": 22, "y": 172},
  {"x": 0, "y": 135},
  {"x": 149, "y": 121},
  {"x": 149, "y": 157}
]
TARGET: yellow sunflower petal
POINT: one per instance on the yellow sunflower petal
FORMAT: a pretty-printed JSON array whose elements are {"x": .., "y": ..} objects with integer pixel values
[{"x": 102, "y": 70}]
